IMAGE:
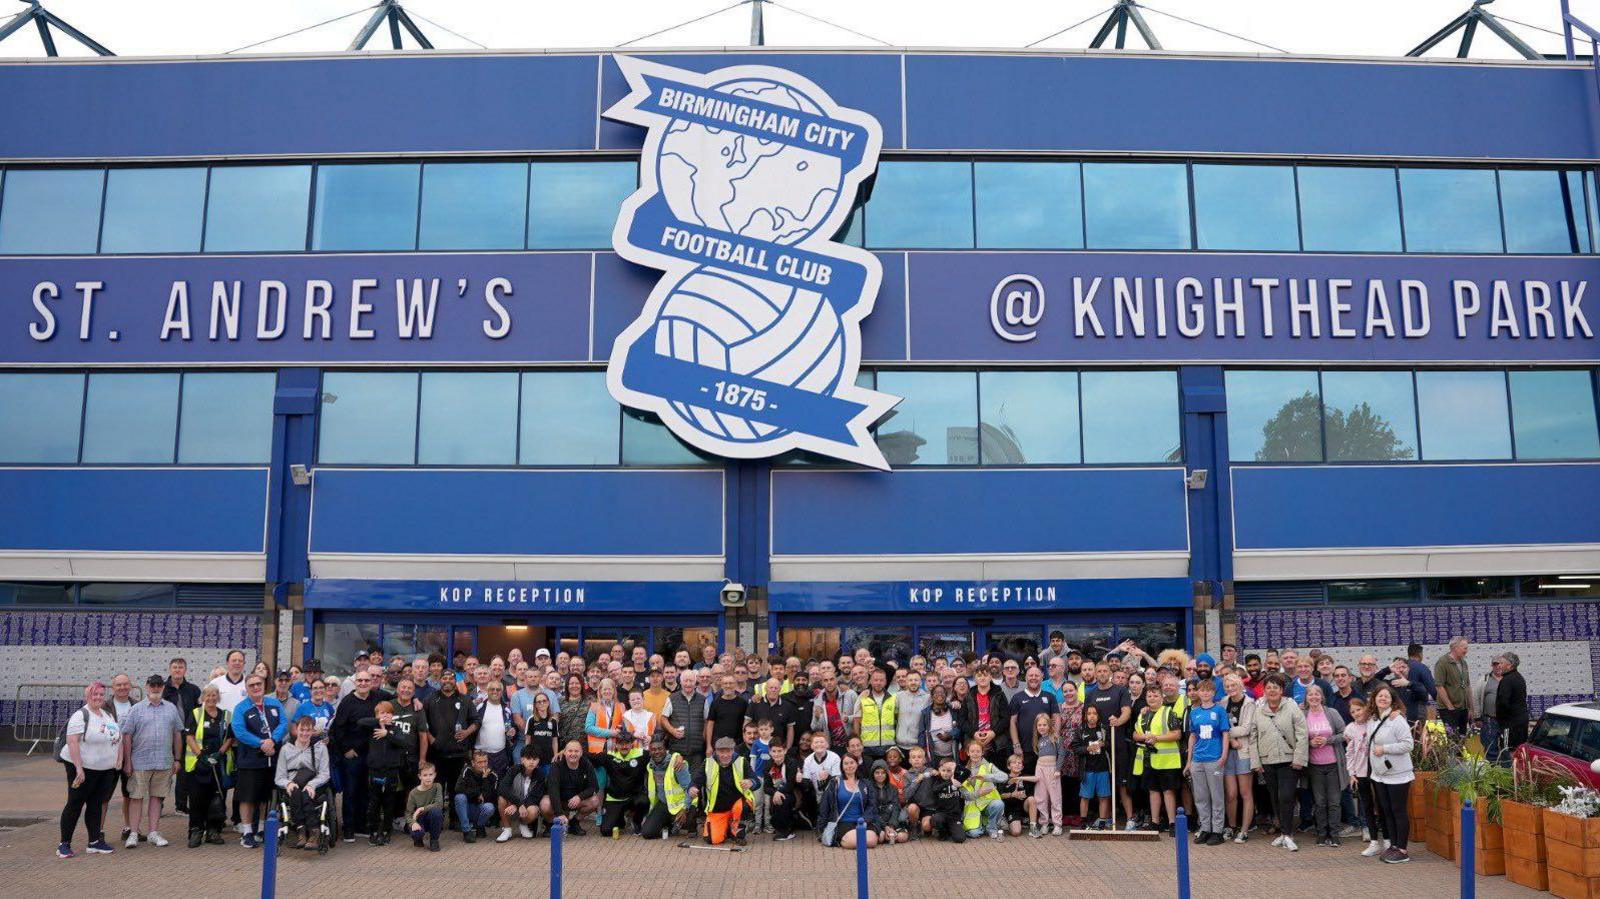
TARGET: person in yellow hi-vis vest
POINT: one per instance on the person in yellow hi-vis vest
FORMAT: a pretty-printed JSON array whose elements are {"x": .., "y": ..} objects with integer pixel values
[
  {"x": 984, "y": 810},
  {"x": 727, "y": 789},
  {"x": 1156, "y": 733},
  {"x": 878, "y": 711},
  {"x": 667, "y": 784},
  {"x": 207, "y": 764}
]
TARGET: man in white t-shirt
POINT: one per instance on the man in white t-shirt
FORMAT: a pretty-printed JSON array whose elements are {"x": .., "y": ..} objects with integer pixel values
[
  {"x": 231, "y": 683},
  {"x": 121, "y": 701}
]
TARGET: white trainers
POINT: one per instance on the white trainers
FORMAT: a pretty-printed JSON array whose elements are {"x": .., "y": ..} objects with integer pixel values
[
  {"x": 1373, "y": 848},
  {"x": 505, "y": 835},
  {"x": 1278, "y": 842},
  {"x": 155, "y": 838},
  {"x": 132, "y": 841},
  {"x": 525, "y": 831},
  {"x": 1288, "y": 843},
  {"x": 1055, "y": 830}
]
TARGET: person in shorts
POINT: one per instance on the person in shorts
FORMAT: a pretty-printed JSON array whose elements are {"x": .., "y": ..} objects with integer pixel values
[
  {"x": 1017, "y": 794},
  {"x": 153, "y": 730}
]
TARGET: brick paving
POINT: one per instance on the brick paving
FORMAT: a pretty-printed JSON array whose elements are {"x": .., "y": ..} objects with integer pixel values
[{"x": 598, "y": 867}]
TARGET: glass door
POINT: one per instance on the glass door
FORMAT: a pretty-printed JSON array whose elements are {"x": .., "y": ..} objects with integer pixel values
[
  {"x": 1014, "y": 642},
  {"x": 944, "y": 644}
]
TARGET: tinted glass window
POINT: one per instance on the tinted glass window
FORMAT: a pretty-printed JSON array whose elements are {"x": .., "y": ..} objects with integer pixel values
[
  {"x": 936, "y": 423},
  {"x": 368, "y": 417},
  {"x": 474, "y": 205},
  {"x": 1028, "y": 417},
  {"x": 1580, "y": 188},
  {"x": 1369, "y": 416},
  {"x": 1373, "y": 591},
  {"x": 1130, "y": 416},
  {"x": 568, "y": 418},
  {"x": 646, "y": 441},
  {"x": 1467, "y": 588},
  {"x": 153, "y": 210},
  {"x": 574, "y": 204},
  {"x": 1568, "y": 586},
  {"x": 227, "y": 417},
  {"x": 131, "y": 418},
  {"x": 128, "y": 594},
  {"x": 1136, "y": 206},
  {"x": 1450, "y": 211},
  {"x": 1349, "y": 209},
  {"x": 1274, "y": 416},
  {"x": 468, "y": 418},
  {"x": 1553, "y": 413},
  {"x": 1245, "y": 207},
  {"x": 1025, "y": 205},
  {"x": 35, "y": 594},
  {"x": 257, "y": 208},
  {"x": 921, "y": 205},
  {"x": 1463, "y": 415},
  {"x": 51, "y": 210},
  {"x": 366, "y": 207},
  {"x": 39, "y": 417},
  {"x": 1542, "y": 213}
]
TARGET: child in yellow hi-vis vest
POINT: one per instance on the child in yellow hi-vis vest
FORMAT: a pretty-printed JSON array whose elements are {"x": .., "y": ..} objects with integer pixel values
[
  {"x": 1157, "y": 730},
  {"x": 984, "y": 811}
]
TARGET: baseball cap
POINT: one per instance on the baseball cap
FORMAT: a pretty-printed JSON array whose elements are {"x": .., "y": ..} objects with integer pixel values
[
  {"x": 155, "y": 680},
  {"x": 314, "y": 665},
  {"x": 285, "y": 675},
  {"x": 725, "y": 743},
  {"x": 626, "y": 736},
  {"x": 541, "y": 651}
]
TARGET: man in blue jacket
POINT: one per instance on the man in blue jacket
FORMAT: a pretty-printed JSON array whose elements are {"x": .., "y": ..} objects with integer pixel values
[{"x": 259, "y": 725}]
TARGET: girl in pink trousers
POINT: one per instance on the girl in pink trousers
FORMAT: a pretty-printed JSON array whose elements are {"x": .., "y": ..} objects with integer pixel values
[{"x": 1047, "y": 779}]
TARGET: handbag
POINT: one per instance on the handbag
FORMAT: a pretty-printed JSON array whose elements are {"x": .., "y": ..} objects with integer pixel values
[{"x": 830, "y": 831}]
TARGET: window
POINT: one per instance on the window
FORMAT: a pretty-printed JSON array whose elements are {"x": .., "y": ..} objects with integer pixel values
[
  {"x": 1470, "y": 588},
  {"x": 568, "y": 418},
  {"x": 921, "y": 205},
  {"x": 1130, "y": 416},
  {"x": 1556, "y": 733},
  {"x": 257, "y": 208},
  {"x": 1136, "y": 205},
  {"x": 1245, "y": 207},
  {"x": 573, "y": 205},
  {"x": 159, "y": 595},
  {"x": 1369, "y": 416},
  {"x": 936, "y": 422},
  {"x": 646, "y": 441},
  {"x": 1348, "y": 209},
  {"x": 468, "y": 418},
  {"x": 366, "y": 207},
  {"x": 51, "y": 210},
  {"x": 1373, "y": 591},
  {"x": 1274, "y": 416},
  {"x": 153, "y": 210},
  {"x": 227, "y": 417},
  {"x": 1545, "y": 211},
  {"x": 1562, "y": 586},
  {"x": 338, "y": 642},
  {"x": 1028, "y": 417},
  {"x": 474, "y": 205},
  {"x": 1553, "y": 413},
  {"x": 1451, "y": 211},
  {"x": 131, "y": 418},
  {"x": 14, "y": 594},
  {"x": 39, "y": 417},
  {"x": 891, "y": 645},
  {"x": 1463, "y": 415},
  {"x": 368, "y": 417},
  {"x": 1027, "y": 205}
]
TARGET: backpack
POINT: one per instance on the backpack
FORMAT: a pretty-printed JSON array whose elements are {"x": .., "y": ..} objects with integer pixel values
[{"x": 109, "y": 711}]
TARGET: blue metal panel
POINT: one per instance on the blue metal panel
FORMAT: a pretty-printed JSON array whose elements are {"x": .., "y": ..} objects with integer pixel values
[
  {"x": 509, "y": 512},
  {"x": 975, "y": 511},
  {"x": 576, "y": 597},
  {"x": 1205, "y": 437},
  {"x": 883, "y": 333},
  {"x": 415, "y": 104},
  {"x": 1287, "y": 107},
  {"x": 1311, "y": 507},
  {"x": 746, "y": 521},
  {"x": 978, "y": 597},
  {"x": 868, "y": 81},
  {"x": 134, "y": 510},
  {"x": 294, "y": 432}
]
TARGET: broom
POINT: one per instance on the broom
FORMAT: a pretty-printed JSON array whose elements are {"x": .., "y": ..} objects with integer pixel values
[{"x": 1113, "y": 835}]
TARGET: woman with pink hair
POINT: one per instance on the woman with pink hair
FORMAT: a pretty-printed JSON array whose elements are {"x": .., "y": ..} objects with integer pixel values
[{"x": 92, "y": 755}]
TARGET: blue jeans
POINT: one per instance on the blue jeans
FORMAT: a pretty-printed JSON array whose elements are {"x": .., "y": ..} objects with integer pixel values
[
  {"x": 482, "y": 813},
  {"x": 1490, "y": 735},
  {"x": 354, "y": 773},
  {"x": 993, "y": 818}
]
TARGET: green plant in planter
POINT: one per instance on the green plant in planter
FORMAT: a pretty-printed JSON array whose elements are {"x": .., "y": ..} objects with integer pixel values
[
  {"x": 1437, "y": 753},
  {"x": 1482, "y": 783},
  {"x": 1539, "y": 782}
]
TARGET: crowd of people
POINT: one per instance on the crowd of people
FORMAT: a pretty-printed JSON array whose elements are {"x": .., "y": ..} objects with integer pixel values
[{"x": 721, "y": 748}]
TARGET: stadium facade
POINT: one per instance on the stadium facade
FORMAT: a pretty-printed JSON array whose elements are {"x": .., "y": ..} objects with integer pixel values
[{"x": 308, "y": 353}]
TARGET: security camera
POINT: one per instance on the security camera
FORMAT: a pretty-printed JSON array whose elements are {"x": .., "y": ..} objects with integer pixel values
[{"x": 733, "y": 595}]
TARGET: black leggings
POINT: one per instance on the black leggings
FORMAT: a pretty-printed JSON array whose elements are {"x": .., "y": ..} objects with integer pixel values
[
  {"x": 1366, "y": 791},
  {"x": 201, "y": 793},
  {"x": 1392, "y": 802},
  {"x": 86, "y": 800},
  {"x": 1283, "y": 782}
]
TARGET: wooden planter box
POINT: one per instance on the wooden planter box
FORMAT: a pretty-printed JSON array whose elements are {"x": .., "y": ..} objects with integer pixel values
[
  {"x": 1522, "y": 829},
  {"x": 1572, "y": 848},
  {"x": 1526, "y": 872},
  {"x": 1444, "y": 814},
  {"x": 1573, "y": 859},
  {"x": 1489, "y": 856},
  {"x": 1584, "y": 832},
  {"x": 1418, "y": 803},
  {"x": 1573, "y": 886}
]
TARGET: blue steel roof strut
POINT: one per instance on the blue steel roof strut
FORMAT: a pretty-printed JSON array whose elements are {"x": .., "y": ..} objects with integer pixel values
[
  {"x": 1122, "y": 13},
  {"x": 397, "y": 18},
  {"x": 1467, "y": 23},
  {"x": 44, "y": 19}
]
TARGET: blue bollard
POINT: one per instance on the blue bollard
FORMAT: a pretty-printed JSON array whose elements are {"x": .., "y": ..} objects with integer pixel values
[
  {"x": 557, "y": 833},
  {"x": 269, "y": 856},
  {"x": 1469, "y": 850},
  {"x": 1180, "y": 836},
  {"x": 862, "y": 890}
]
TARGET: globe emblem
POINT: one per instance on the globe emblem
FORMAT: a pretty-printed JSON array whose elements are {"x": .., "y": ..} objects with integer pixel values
[{"x": 761, "y": 189}]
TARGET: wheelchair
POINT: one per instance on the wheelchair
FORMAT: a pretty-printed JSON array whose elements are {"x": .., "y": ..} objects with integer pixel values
[{"x": 321, "y": 819}]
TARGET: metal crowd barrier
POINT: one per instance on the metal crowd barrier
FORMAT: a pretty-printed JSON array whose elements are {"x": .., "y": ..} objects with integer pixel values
[{"x": 39, "y": 710}]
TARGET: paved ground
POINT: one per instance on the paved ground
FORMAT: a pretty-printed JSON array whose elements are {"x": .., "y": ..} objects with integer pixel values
[{"x": 597, "y": 867}]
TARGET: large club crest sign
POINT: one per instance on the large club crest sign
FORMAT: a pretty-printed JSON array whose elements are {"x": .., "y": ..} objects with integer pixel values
[{"x": 749, "y": 344}]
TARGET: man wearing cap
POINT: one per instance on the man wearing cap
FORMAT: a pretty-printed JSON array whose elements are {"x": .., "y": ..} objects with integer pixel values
[
  {"x": 625, "y": 797},
  {"x": 310, "y": 674},
  {"x": 669, "y": 790},
  {"x": 152, "y": 735},
  {"x": 283, "y": 692},
  {"x": 349, "y": 741},
  {"x": 726, "y": 790}
]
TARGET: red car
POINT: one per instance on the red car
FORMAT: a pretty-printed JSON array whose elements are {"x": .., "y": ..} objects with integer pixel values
[{"x": 1568, "y": 735}]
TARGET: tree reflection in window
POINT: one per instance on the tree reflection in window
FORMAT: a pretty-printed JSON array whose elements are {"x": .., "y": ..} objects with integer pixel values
[
  {"x": 1362, "y": 434},
  {"x": 1294, "y": 434}
]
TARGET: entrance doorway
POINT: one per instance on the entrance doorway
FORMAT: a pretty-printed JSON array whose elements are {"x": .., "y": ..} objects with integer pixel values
[{"x": 828, "y": 637}]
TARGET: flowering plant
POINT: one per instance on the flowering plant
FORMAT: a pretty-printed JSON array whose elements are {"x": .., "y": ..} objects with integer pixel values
[{"x": 1578, "y": 802}]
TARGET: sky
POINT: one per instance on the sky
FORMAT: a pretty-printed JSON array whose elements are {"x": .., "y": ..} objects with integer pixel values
[{"x": 1345, "y": 27}]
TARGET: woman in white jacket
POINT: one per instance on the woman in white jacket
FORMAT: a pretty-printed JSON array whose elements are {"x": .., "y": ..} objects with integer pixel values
[
  {"x": 1391, "y": 770},
  {"x": 1239, "y": 781}
]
